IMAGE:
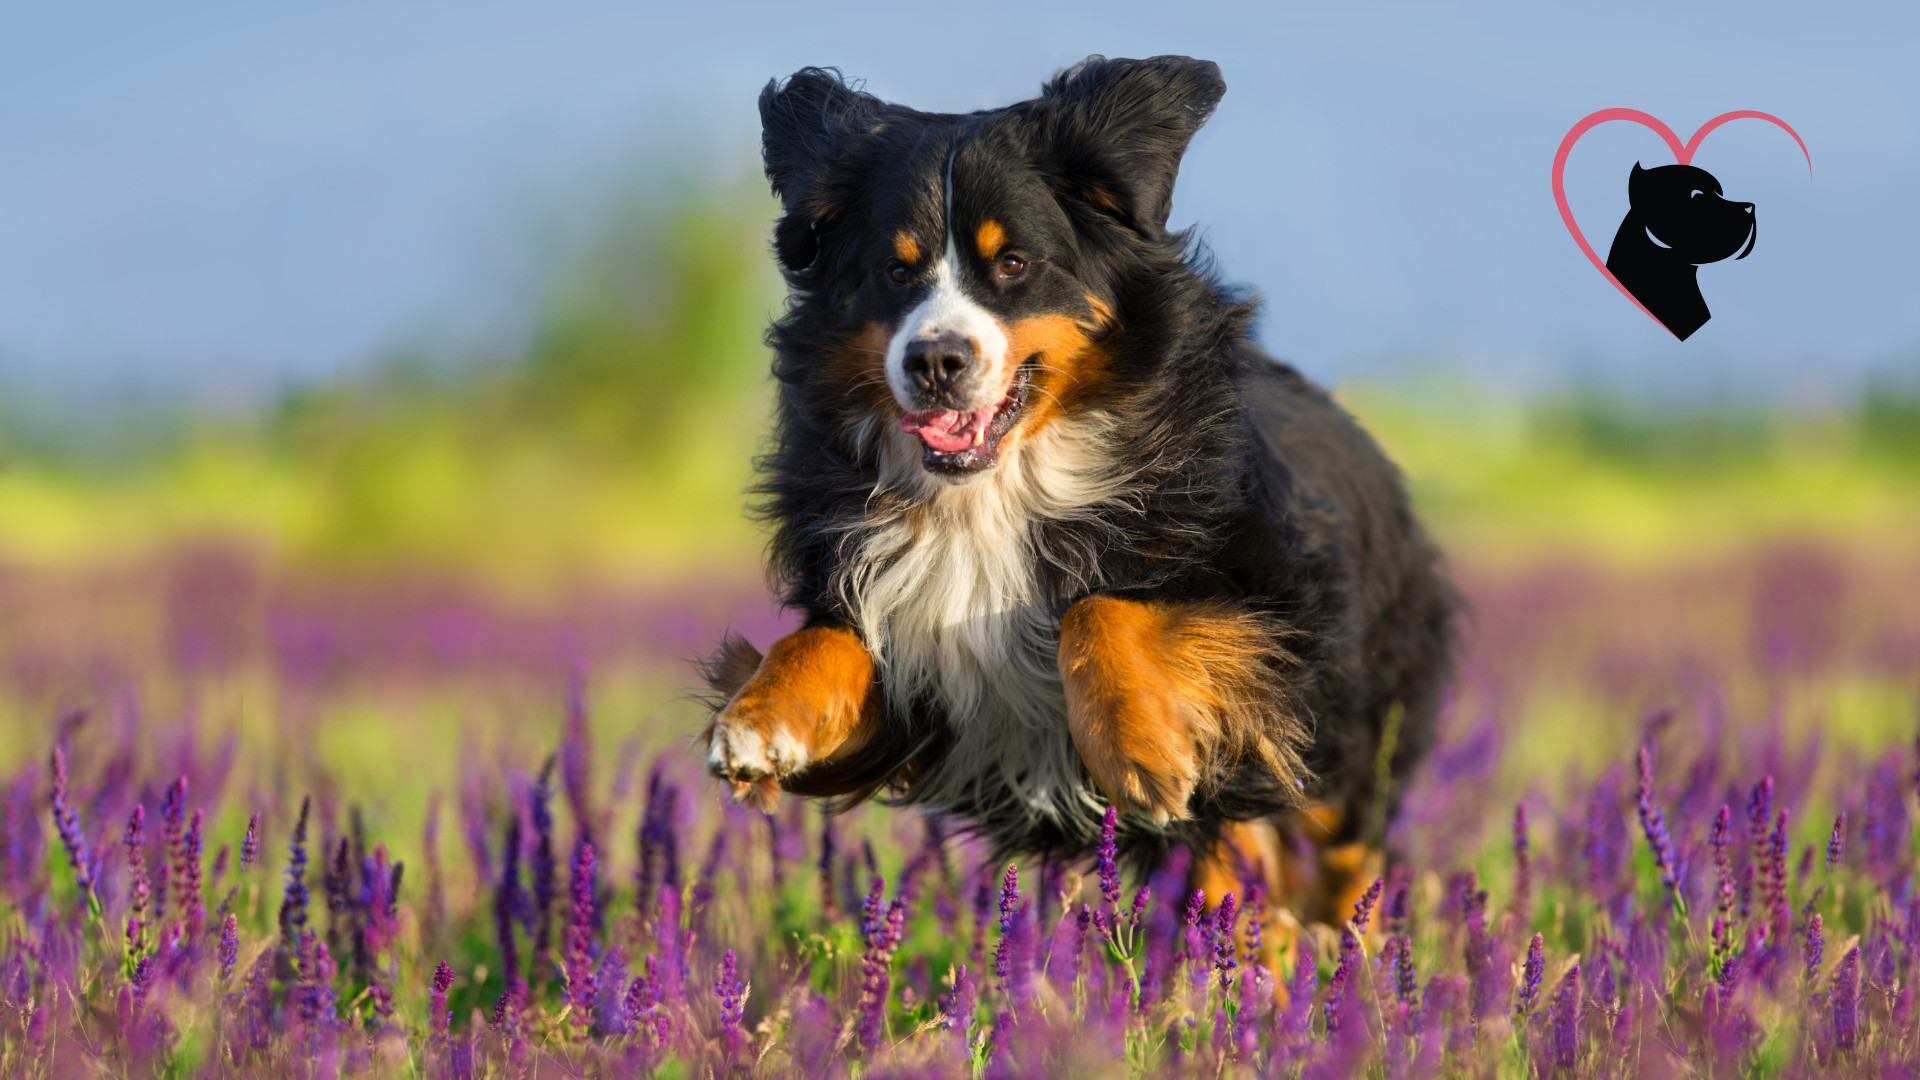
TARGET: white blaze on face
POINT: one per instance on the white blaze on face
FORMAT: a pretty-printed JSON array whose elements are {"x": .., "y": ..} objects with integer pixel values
[{"x": 949, "y": 312}]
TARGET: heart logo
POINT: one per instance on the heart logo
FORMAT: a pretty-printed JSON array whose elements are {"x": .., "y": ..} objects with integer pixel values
[{"x": 1682, "y": 154}]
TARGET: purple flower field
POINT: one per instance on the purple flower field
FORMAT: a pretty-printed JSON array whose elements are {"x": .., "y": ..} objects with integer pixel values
[{"x": 256, "y": 825}]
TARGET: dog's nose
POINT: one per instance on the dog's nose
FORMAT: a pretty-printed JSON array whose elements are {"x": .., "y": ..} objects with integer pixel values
[{"x": 935, "y": 364}]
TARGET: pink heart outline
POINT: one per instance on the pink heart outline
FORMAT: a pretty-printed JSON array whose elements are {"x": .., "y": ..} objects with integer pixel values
[{"x": 1681, "y": 154}]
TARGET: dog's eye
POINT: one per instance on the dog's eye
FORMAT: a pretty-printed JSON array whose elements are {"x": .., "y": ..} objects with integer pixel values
[
  {"x": 1012, "y": 266},
  {"x": 1694, "y": 194},
  {"x": 898, "y": 272}
]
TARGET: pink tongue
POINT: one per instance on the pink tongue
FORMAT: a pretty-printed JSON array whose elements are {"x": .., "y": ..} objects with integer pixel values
[{"x": 945, "y": 430}]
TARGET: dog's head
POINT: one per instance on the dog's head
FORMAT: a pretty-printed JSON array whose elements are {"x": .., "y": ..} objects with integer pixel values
[
  {"x": 1682, "y": 209},
  {"x": 954, "y": 276}
]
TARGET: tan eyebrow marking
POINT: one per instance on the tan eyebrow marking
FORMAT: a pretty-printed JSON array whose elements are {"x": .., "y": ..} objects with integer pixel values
[
  {"x": 906, "y": 247},
  {"x": 989, "y": 238}
]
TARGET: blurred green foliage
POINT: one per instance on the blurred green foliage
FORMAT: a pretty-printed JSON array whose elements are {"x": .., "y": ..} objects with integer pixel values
[{"x": 617, "y": 442}]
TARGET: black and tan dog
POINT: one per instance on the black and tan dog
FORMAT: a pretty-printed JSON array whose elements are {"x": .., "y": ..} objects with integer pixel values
[
  {"x": 1676, "y": 220},
  {"x": 1060, "y": 534}
]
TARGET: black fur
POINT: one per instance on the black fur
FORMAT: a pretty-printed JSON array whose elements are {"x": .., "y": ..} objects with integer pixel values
[
  {"x": 1676, "y": 220},
  {"x": 1250, "y": 484}
]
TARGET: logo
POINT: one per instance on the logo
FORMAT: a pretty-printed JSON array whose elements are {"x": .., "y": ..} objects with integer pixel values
[{"x": 1678, "y": 219}]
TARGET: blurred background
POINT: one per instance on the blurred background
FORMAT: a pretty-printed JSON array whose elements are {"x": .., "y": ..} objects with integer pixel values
[{"x": 366, "y": 369}]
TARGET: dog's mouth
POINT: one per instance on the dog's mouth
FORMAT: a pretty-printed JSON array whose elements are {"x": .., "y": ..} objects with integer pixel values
[{"x": 965, "y": 442}]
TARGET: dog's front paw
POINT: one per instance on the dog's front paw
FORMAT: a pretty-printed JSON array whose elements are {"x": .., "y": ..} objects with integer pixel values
[
  {"x": 806, "y": 699},
  {"x": 748, "y": 745},
  {"x": 754, "y": 752}
]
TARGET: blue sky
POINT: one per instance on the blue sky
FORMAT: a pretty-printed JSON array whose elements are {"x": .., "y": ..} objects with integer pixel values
[{"x": 211, "y": 200}]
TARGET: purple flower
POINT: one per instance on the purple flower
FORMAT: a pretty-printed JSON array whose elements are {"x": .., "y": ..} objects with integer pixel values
[
  {"x": 72, "y": 836},
  {"x": 1106, "y": 859},
  {"x": 1719, "y": 840},
  {"x": 544, "y": 867},
  {"x": 193, "y": 901},
  {"x": 508, "y": 901},
  {"x": 1845, "y": 1000},
  {"x": 293, "y": 902},
  {"x": 438, "y": 1018},
  {"x": 173, "y": 827},
  {"x": 581, "y": 988},
  {"x": 829, "y": 843},
  {"x": 1082, "y": 922},
  {"x": 1363, "y": 908},
  {"x": 1009, "y": 908},
  {"x": 880, "y": 925},
  {"x": 1296, "y": 1023},
  {"x": 1406, "y": 982},
  {"x": 1654, "y": 823},
  {"x": 137, "y": 885},
  {"x": 1196, "y": 911},
  {"x": 1224, "y": 920},
  {"x": 731, "y": 993},
  {"x": 1759, "y": 813},
  {"x": 1256, "y": 910},
  {"x": 229, "y": 946},
  {"x": 1837, "y": 843},
  {"x": 641, "y": 1006},
  {"x": 1338, "y": 986},
  {"x": 1563, "y": 1018},
  {"x": 250, "y": 844},
  {"x": 962, "y": 1004},
  {"x": 1530, "y": 976},
  {"x": 873, "y": 910},
  {"x": 257, "y": 1000},
  {"x": 1816, "y": 947},
  {"x": 1485, "y": 986},
  {"x": 1778, "y": 904}
]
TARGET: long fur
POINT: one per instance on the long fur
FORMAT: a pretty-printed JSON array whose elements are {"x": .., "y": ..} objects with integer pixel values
[{"x": 1193, "y": 470}]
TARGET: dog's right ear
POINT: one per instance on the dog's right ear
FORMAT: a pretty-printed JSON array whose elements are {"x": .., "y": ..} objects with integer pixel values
[{"x": 805, "y": 123}]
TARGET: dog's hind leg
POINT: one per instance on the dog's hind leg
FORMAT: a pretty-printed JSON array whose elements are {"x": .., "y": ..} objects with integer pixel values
[
  {"x": 1249, "y": 851},
  {"x": 1329, "y": 875},
  {"x": 814, "y": 694}
]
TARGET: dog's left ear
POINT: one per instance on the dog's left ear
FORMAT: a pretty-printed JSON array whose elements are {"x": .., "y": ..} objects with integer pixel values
[{"x": 1121, "y": 127}]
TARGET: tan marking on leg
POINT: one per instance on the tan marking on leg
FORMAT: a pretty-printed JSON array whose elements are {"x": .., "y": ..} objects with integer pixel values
[
  {"x": 813, "y": 695},
  {"x": 1160, "y": 695},
  {"x": 1346, "y": 873},
  {"x": 1123, "y": 707}
]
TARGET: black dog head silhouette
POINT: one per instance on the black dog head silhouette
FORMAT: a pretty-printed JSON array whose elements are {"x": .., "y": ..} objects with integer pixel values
[{"x": 1676, "y": 220}]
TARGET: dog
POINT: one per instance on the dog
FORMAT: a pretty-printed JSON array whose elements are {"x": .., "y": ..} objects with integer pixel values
[
  {"x": 1060, "y": 535},
  {"x": 1676, "y": 220}
]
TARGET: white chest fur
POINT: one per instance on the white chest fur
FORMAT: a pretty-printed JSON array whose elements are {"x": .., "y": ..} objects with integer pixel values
[{"x": 946, "y": 596}]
